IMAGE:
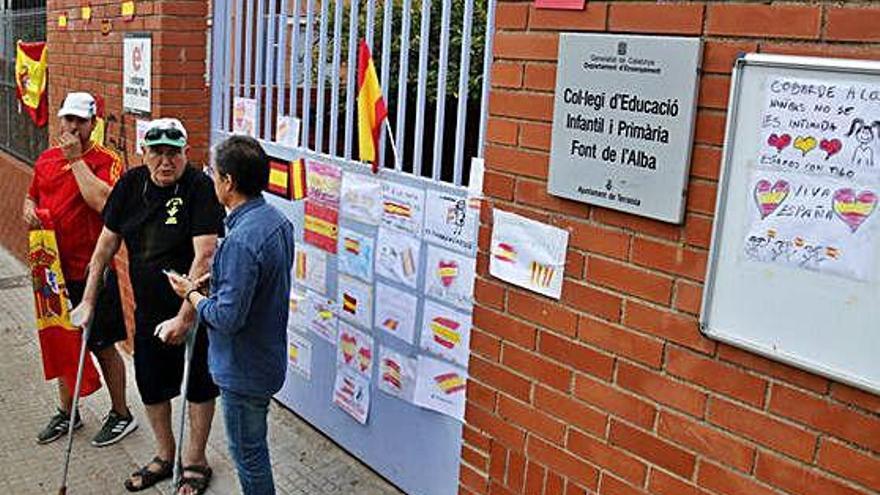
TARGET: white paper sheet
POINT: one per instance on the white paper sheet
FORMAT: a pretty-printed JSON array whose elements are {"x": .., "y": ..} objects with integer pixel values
[
  {"x": 310, "y": 267},
  {"x": 299, "y": 355},
  {"x": 355, "y": 300},
  {"x": 403, "y": 208},
  {"x": 451, "y": 221},
  {"x": 361, "y": 198},
  {"x": 397, "y": 257},
  {"x": 446, "y": 333},
  {"x": 351, "y": 392},
  {"x": 296, "y": 311},
  {"x": 441, "y": 386},
  {"x": 321, "y": 316},
  {"x": 355, "y": 350},
  {"x": 356, "y": 254},
  {"x": 397, "y": 374},
  {"x": 450, "y": 277},
  {"x": 396, "y": 312}
]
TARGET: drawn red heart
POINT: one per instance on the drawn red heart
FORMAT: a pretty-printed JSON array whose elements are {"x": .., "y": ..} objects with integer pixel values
[
  {"x": 830, "y": 147},
  {"x": 365, "y": 358},
  {"x": 779, "y": 142},
  {"x": 770, "y": 196},
  {"x": 852, "y": 208},
  {"x": 348, "y": 344}
]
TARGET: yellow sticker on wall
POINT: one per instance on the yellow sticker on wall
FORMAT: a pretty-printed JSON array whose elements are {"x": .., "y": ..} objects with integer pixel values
[
  {"x": 86, "y": 13},
  {"x": 128, "y": 10},
  {"x": 62, "y": 21}
]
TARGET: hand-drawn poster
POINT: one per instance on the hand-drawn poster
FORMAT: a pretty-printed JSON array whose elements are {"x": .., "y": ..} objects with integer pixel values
[
  {"x": 310, "y": 267},
  {"x": 396, "y": 312},
  {"x": 813, "y": 192},
  {"x": 403, "y": 208},
  {"x": 321, "y": 226},
  {"x": 351, "y": 393},
  {"x": 397, "y": 374},
  {"x": 244, "y": 116},
  {"x": 450, "y": 277},
  {"x": 323, "y": 182},
  {"x": 296, "y": 311},
  {"x": 527, "y": 253},
  {"x": 361, "y": 198},
  {"x": 356, "y": 254},
  {"x": 354, "y": 350},
  {"x": 397, "y": 257},
  {"x": 321, "y": 316},
  {"x": 451, "y": 220},
  {"x": 287, "y": 131},
  {"x": 446, "y": 333},
  {"x": 299, "y": 355},
  {"x": 355, "y": 301},
  {"x": 440, "y": 386}
]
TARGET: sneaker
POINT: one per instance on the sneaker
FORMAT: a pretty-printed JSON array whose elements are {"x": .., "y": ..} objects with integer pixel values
[
  {"x": 58, "y": 427},
  {"x": 116, "y": 427}
]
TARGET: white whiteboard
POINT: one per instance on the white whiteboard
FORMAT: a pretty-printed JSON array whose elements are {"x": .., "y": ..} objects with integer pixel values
[{"x": 786, "y": 306}]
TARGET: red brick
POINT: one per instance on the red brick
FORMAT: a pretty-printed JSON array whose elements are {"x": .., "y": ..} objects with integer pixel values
[
  {"x": 777, "y": 21},
  {"x": 555, "y": 484},
  {"x": 688, "y": 297},
  {"x": 661, "y": 389},
  {"x": 716, "y": 376},
  {"x": 772, "y": 368},
  {"x": 706, "y": 162},
  {"x": 497, "y": 461},
  {"x": 501, "y": 131},
  {"x": 591, "y": 18},
  {"x": 534, "y": 193},
  {"x": 592, "y": 301},
  {"x": 579, "y": 357},
  {"x": 535, "y": 366},
  {"x": 475, "y": 439},
  {"x": 856, "y": 397},
  {"x": 474, "y": 458},
  {"x": 852, "y": 24},
  {"x": 671, "y": 258},
  {"x": 595, "y": 238},
  {"x": 652, "y": 449},
  {"x": 642, "y": 225},
  {"x": 644, "y": 17},
  {"x": 561, "y": 461},
  {"x": 796, "y": 479},
  {"x": 710, "y": 127},
  {"x": 489, "y": 293},
  {"x": 498, "y": 185},
  {"x": 726, "y": 482},
  {"x": 531, "y": 419},
  {"x": 540, "y": 77},
  {"x": 621, "y": 341},
  {"x": 500, "y": 378},
  {"x": 520, "y": 104},
  {"x": 507, "y": 75},
  {"x": 501, "y": 432},
  {"x": 574, "y": 266},
  {"x": 826, "y": 416},
  {"x": 701, "y": 197},
  {"x": 472, "y": 479},
  {"x": 629, "y": 280},
  {"x": 516, "y": 471},
  {"x": 607, "y": 457},
  {"x": 481, "y": 395},
  {"x": 679, "y": 328},
  {"x": 698, "y": 230},
  {"x": 505, "y": 327},
  {"x": 571, "y": 411},
  {"x": 517, "y": 162},
  {"x": 714, "y": 91},
  {"x": 608, "y": 398},
  {"x": 609, "y": 485},
  {"x": 511, "y": 15},
  {"x": 535, "y": 135},
  {"x": 535, "y": 475},
  {"x": 485, "y": 345},
  {"x": 542, "y": 312},
  {"x": 665, "y": 484},
  {"x": 706, "y": 441},
  {"x": 526, "y": 46},
  {"x": 763, "y": 429},
  {"x": 858, "y": 466}
]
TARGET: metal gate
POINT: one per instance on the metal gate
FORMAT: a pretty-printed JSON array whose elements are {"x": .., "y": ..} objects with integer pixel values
[{"x": 298, "y": 58}]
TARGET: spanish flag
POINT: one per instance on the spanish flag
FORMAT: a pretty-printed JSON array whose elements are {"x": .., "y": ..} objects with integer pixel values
[
  {"x": 30, "y": 80},
  {"x": 279, "y": 178},
  {"x": 299, "y": 179},
  {"x": 371, "y": 107},
  {"x": 450, "y": 383},
  {"x": 349, "y": 303}
]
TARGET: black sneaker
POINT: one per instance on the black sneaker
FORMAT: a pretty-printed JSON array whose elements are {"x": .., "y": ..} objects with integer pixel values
[
  {"x": 115, "y": 428},
  {"x": 57, "y": 427}
]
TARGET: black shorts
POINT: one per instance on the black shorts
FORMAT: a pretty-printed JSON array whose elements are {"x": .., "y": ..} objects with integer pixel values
[
  {"x": 108, "y": 323},
  {"x": 158, "y": 367}
]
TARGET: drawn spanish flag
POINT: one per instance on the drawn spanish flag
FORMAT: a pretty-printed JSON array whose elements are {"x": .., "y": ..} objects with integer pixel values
[
  {"x": 390, "y": 324},
  {"x": 450, "y": 383},
  {"x": 542, "y": 275},
  {"x": 349, "y": 303},
  {"x": 505, "y": 252},
  {"x": 293, "y": 353},
  {"x": 447, "y": 271},
  {"x": 352, "y": 246},
  {"x": 371, "y": 107},
  {"x": 30, "y": 80},
  {"x": 832, "y": 252},
  {"x": 301, "y": 265},
  {"x": 395, "y": 209},
  {"x": 298, "y": 176},
  {"x": 391, "y": 373},
  {"x": 445, "y": 332},
  {"x": 348, "y": 345}
]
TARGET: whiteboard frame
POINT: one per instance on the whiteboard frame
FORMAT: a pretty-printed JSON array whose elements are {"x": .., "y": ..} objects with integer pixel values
[{"x": 847, "y": 66}]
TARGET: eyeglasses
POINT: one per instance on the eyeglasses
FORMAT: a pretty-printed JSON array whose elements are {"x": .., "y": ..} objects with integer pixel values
[
  {"x": 156, "y": 133},
  {"x": 169, "y": 151}
]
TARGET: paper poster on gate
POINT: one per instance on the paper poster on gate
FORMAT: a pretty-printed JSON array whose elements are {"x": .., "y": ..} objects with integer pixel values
[
  {"x": 244, "y": 116},
  {"x": 354, "y": 350},
  {"x": 397, "y": 374},
  {"x": 351, "y": 392},
  {"x": 356, "y": 254},
  {"x": 450, "y": 277},
  {"x": 396, "y": 312},
  {"x": 446, "y": 333},
  {"x": 812, "y": 223},
  {"x": 527, "y": 253},
  {"x": 296, "y": 311},
  {"x": 299, "y": 355},
  {"x": 320, "y": 315},
  {"x": 321, "y": 226},
  {"x": 323, "y": 183},
  {"x": 361, "y": 198},
  {"x": 440, "y": 386},
  {"x": 355, "y": 301},
  {"x": 403, "y": 208},
  {"x": 397, "y": 257},
  {"x": 451, "y": 220},
  {"x": 310, "y": 267}
]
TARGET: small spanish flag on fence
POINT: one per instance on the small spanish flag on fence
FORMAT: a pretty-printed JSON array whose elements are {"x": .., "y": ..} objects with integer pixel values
[
  {"x": 279, "y": 178},
  {"x": 371, "y": 107},
  {"x": 30, "y": 80},
  {"x": 298, "y": 189}
]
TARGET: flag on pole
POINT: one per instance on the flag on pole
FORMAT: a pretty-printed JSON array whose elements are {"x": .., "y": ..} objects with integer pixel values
[
  {"x": 59, "y": 340},
  {"x": 371, "y": 107},
  {"x": 30, "y": 80}
]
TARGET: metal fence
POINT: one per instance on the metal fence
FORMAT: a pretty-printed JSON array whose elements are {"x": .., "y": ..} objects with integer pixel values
[
  {"x": 299, "y": 58},
  {"x": 19, "y": 21}
]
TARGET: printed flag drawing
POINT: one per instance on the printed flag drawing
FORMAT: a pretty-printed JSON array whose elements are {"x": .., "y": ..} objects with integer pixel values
[
  {"x": 371, "y": 107},
  {"x": 351, "y": 392},
  {"x": 396, "y": 312},
  {"x": 446, "y": 333},
  {"x": 527, "y": 253},
  {"x": 450, "y": 277},
  {"x": 356, "y": 299},
  {"x": 441, "y": 386},
  {"x": 354, "y": 350},
  {"x": 356, "y": 254},
  {"x": 397, "y": 374},
  {"x": 31, "y": 79},
  {"x": 403, "y": 208}
]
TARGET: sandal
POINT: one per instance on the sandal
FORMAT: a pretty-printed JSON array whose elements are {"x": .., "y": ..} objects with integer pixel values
[
  {"x": 198, "y": 485},
  {"x": 149, "y": 478}
]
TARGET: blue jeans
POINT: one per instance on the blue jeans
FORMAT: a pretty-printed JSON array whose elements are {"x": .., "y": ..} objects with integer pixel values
[{"x": 246, "y": 430}]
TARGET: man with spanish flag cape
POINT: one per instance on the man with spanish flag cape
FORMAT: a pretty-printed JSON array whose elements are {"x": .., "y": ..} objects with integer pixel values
[
  {"x": 30, "y": 80},
  {"x": 71, "y": 183},
  {"x": 371, "y": 107}
]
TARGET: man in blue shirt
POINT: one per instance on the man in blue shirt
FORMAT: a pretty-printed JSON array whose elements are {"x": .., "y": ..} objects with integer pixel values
[{"x": 246, "y": 315}]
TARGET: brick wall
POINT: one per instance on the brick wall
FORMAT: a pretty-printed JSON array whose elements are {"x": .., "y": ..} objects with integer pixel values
[{"x": 613, "y": 390}]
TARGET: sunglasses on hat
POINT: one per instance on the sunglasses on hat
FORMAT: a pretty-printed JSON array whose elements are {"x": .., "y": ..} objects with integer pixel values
[{"x": 154, "y": 134}]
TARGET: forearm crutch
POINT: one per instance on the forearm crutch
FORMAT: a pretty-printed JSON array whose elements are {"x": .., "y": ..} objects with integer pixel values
[{"x": 187, "y": 359}]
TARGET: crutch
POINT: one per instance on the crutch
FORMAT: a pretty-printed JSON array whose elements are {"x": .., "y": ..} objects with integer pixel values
[
  {"x": 73, "y": 407},
  {"x": 187, "y": 359}
]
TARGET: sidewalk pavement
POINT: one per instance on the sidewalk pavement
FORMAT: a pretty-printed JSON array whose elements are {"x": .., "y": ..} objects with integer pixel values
[{"x": 304, "y": 461}]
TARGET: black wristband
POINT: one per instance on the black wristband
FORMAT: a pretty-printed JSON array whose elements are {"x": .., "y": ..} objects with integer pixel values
[{"x": 189, "y": 293}]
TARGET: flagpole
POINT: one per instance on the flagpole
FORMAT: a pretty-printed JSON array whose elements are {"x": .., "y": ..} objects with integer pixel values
[{"x": 393, "y": 146}]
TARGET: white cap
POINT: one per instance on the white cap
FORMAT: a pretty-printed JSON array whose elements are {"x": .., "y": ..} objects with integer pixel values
[
  {"x": 153, "y": 138},
  {"x": 79, "y": 105}
]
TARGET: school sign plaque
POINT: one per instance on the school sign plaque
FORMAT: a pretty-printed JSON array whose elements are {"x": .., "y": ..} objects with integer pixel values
[{"x": 623, "y": 122}]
